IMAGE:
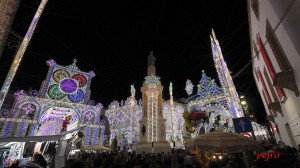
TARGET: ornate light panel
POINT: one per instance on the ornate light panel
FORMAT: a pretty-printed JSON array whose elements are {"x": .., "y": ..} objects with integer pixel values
[{"x": 67, "y": 83}]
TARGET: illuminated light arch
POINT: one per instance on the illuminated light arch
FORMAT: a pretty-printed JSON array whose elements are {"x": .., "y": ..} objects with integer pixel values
[
  {"x": 24, "y": 102},
  {"x": 8, "y": 127},
  {"x": 91, "y": 111},
  {"x": 211, "y": 100},
  {"x": 215, "y": 111},
  {"x": 52, "y": 117}
]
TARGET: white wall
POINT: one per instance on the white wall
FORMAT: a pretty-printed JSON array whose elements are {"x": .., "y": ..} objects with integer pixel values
[{"x": 292, "y": 106}]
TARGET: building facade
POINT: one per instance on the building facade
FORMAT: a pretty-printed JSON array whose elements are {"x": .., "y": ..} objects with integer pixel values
[{"x": 275, "y": 48}]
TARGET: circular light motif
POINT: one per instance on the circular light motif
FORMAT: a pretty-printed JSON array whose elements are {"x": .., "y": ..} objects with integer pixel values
[
  {"x": 76, "y": 97},
  {"x": 28, "y": 109},
  {"x": 89, "y": 115},
  {"x": 55, "y": 93},
  {"x": 60, "y": 74},
  {"x": 81, "y": 78},
  {"x": 68, "y": 85}
]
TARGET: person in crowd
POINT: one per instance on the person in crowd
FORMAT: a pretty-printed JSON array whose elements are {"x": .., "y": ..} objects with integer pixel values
[
  {"x": 214, "y": 164},
  {"x": 77, "y": 164},
  {"x": 15, "y": 164},
  {"x": 232, "y": 164},
  {"x": 38, "y": 161}
]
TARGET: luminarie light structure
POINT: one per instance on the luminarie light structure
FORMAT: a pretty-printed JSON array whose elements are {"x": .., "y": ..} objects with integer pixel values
[
  {"x": 65, "y": 91},
  {"x": 225, "y": 78},
  {"x": 220, "y": 105},
  {"x": 124, "y": 119},
  {"x": 172, "y": 112}
]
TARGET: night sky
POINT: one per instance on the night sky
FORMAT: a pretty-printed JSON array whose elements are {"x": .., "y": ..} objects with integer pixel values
[{"x": 114, "y": 38}]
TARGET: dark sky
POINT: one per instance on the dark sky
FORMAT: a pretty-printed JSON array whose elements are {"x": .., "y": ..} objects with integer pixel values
[{"x": 113, "y": 38}]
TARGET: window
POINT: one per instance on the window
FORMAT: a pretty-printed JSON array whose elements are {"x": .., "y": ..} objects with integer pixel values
[
  {"x": 255, "y": 8},
  {"x": 277, "y": 49},
  {"x": 255, "y": 50},
  {"x": 270, "y": 85}
]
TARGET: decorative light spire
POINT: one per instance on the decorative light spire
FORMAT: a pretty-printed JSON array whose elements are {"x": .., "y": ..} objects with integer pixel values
[
  {"x": 132, "y": 90},
  {"x": 225, "y": 78},
  {"x": 189, "y": 87},
  {"x": 171, "y": 89}
]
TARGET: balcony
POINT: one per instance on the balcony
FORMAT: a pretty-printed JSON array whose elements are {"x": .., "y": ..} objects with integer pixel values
[{"x": 286, "y": 79}]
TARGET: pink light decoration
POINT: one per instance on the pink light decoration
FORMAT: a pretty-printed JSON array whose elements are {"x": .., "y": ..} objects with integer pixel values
[{"x": 50, "y": 62}]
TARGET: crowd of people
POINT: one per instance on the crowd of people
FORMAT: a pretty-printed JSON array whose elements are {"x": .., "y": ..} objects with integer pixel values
[
  {"x": 176, "y": 159},
  {"x": 274, "y": 156}
]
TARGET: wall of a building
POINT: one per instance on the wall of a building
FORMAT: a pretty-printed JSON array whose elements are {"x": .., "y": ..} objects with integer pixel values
[
  {"x": 269, "y": 10},
  {"x": 8, "y": 10}
]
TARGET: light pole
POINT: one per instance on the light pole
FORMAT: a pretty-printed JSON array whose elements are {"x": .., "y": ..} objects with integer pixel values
[
  {"x": 20, "y": 52},
  {"x": 172, "y": 112}
]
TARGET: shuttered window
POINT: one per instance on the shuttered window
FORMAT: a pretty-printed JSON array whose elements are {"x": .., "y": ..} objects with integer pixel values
[
  {"x": 277, "y": 49},
  {"x": 255, "y": 8}
]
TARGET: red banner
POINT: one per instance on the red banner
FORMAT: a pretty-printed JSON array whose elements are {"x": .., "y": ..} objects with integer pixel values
[
  {"x": 270, "y": 68},
  {"x": 268, "y": 98}
]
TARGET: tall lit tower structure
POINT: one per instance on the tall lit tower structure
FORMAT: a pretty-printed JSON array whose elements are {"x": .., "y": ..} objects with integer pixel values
[
  {"x": 20, "y": 52},
  {"x": 225, "y": 78},
  {"x": 152, "y": 124}
]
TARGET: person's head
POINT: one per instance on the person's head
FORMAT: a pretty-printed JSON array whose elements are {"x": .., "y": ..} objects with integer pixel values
[
  {"x": 77, "y": 163},
  {"x": 15, "y": 164},
  {"x": 189, "y": 166},
  {"x": 97, "y": 163},
  {"x": 116, "y": 165},
  {"x": 214, "y": 164},
  {"x": 69, "y": 117},
  {"x": 40, "y": 160},
  {"x": 180, "y": 159},
  {"x": 69, "y": 162},
  {"x": 232, "y": 164}
]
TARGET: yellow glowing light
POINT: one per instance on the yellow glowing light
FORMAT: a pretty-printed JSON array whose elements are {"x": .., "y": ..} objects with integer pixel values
[{"x": 243, "y": 102}]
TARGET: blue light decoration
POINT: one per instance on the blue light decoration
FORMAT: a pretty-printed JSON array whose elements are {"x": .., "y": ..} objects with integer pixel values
[
  {"x": 76, "y": 97},
  {"x": 87, "y": 135},
  {"x": 215, "y": 101},
  {"x": 207, "y": 87},
  {"x": 189, "y": 87},
  {"x": 225, "y": 78}
]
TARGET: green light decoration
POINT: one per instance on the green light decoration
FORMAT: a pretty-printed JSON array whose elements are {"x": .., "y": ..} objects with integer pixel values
[
  {"x": 55, "y": 93},
  {"x": 20, "y": 52}
]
